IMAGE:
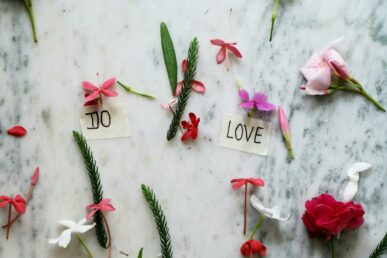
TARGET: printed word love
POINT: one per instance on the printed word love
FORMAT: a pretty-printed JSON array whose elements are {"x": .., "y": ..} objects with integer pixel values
[
  {"x": 105, "y": 121},
  {"x": 245, "y": 134}
]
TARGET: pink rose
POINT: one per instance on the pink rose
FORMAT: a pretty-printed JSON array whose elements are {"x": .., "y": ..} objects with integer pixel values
[
  {"x": 325, "y": 217},
  {"x": 319, "y": 68}
]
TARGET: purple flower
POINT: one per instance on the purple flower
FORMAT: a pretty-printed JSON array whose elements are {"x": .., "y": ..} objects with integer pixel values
[{"x": 259, "y": 101}]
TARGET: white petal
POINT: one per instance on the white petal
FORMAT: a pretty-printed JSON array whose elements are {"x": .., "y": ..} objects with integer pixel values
[
  {"x": 277, "y": 214},
  {"x": 67, "y": 223},
  {"x": 53, "y": 240},
  {"x": 83, "y": 229},
  {"x": 82, "y": 222},
  {"x": 350, "y": 191},
  {"x": 358, "y": 167},
  {"x": 273, "y": 213},
  {"x": 65, "y": 238}
]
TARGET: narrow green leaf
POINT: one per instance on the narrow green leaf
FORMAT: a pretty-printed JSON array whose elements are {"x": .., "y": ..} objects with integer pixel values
[
  {"x": 140, "y": 253},
  {"x": 169, "y": 56}
]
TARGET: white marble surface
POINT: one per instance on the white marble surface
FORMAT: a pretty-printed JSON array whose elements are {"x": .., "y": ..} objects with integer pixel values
[{"x": 41, "y": 90}]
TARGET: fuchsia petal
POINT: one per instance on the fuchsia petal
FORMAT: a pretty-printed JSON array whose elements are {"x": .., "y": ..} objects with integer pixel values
[
  {"x": 184, "y": 65},
  {"x": 109, "y": 93},
  {"x": 260, "y": 97},
  {"x": 89, "y": 86},
  {"x": 109, "y": 83},
  {"x": 283, "y": 121},
  {"x": 264, "y": 106},
  {"x": 244, "y": 95},
  {"x": 218, "y": 42},
  {"x": 91, "y": 97},
  {"x": 221, "y": 56},
  {"x": 234, "y": 50},
  {"x": 247, "y": 104},
  {"x": 198, "y": 86}
]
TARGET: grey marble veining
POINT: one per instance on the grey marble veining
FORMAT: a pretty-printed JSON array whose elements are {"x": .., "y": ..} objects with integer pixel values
[{"x": 40, "y": 89}]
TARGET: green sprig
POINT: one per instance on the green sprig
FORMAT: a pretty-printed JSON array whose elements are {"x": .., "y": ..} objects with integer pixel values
[
  {"x": 161, "y": 221},
  {"x": 380, "y": 249},
  {"x": 96, "y": 186},
  {"x": 273, "y": 18},
  {"x": 189, "y": 75},
  {"x": 28, "y": 6},
  {"x": 130, "y": 89}
]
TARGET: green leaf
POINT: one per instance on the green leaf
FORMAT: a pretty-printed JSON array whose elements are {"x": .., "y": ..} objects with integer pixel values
[
  {"x": 380, "y": 249},
  {"x": 140, "y": 253},
  {"x": 161, "y": 221},
  {"x": 169, "y": 56}
]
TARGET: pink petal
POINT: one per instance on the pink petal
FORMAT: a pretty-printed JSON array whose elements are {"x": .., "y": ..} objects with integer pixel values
[
  {"x": 260, "y": 97},
  {"x": 109, "y": 93},
  {"x": 198, "y": 86},
  {"x": 256, "y": 181},
  {"x": 89, "y": 86},
  {"x": 91, "y": 97},
  {"x": 244, "y": 95},
  {"x": 221, "y": 56},
  {"x": 238, "y": 184},
  {"x": 4, "y": 201},
  {"x": 218, "y": 42},
  {"x": 265, "y": 106},
  {"x": 19, "y": 204},
  {"x": 312, "y": 66},
  {"x": 179, "y": 88},
  {"x": 283, "y": 121},
  {"x": 320, "y": 82},
  {"x": 107, "y": 207},
  {"x": 247, "y": 105},
  {"x": 184, "y": 65},
  {"x": 235, "y": 51},
  {"x": 91, "y": 214},
  {"x": 35, "y": 177},
  {"x": 109, "y": 83}
]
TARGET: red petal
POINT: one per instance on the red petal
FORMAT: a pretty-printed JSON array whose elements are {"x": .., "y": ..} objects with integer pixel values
[
  {"x": 19, "y": 204},
  {"x": 35, "y": 177},
  {"x": 185, "y": 124},
  {"x": 186, "y": 136},
  {"x": 194, "y": 133},
  {"x": 256, "y": 181},
  {"x": 221, "y": 56},
  {"x": 218, "y": 42},
  {"x": 192, "y": 117},
  {"x": 239, "y": 184},
  {"x": 235, "y": 51},
  {"x": 4, "y": 200},
  {"x": 17, "y": 131}
]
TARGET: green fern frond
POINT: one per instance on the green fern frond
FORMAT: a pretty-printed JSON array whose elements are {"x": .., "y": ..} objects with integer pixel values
[
  {"x": 96, "y": 186},
  {"x": 161, "y": 221},
  {"x": 192, "y": 61},
  {"x": 380, "y": 249}
]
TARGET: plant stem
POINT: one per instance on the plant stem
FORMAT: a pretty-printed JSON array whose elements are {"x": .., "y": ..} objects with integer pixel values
[
  {"x": 290, "y": 150},
  {"x": 376, "y": 103},
  {"x": 245, "y": 211},
  {"x": 84, "y": 245},
  {"x": 273, "y": 18},
  {"x": 259, "y": 224},
  {"x": 9, "y": 218},
  {"x": 129, "y": 89},
  {"x": 109, "y": 235},
  {"x": 333, "y": 248},
  {"x": 28, "y": 6}
]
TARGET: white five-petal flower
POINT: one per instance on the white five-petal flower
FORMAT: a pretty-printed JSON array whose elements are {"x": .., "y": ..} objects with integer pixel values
[
  {"x": 353, "y": 174},
  {"x": 64, "y": 239},
  {"x": 271, "y": 213}
]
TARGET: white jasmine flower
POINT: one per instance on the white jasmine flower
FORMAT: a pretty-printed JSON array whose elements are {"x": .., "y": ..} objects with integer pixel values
[
  {"x": 353, "y": 174},
  {"x": 271, "y": 213}
]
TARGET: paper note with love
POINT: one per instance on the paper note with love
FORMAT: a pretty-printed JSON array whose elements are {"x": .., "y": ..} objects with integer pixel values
[
  {"x": 245, "y": 134},
  {"x": 105, "y": 121}
]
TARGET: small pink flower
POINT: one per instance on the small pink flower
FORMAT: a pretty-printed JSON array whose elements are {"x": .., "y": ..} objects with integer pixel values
[
  {"x": 19, "y": 203},
  {"x": 94, "y": 93},
  {"x": 169, "y": 105},
  {"x": 104, "y": 205},
  {"x": 224, "y": 50},
  {"x": 259, "y": 101},
  {"x": 196, "y": 85},
  {"x": 319, "y": 68}
]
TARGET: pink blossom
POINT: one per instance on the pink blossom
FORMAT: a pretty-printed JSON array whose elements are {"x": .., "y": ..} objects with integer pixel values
[
  {"x": 224, "y": 50},
  {"x": 104, "y": 205},
  {"x": 283, "y": 121},
  {"x": 170, "y": 104},
  {"x": 196, "y": 85},
  {"x": 319, "y": 68},
  {"x": 259, "y": 101},
  {"x": 94, "y": 93}
]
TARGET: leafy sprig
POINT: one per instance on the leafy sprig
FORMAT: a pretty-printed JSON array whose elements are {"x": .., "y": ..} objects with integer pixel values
[
  {"x": 273, "y": 18},
  {"x": 169, "y": 56},
  {"x": 380, "y": 249},
  {"x": 189, "y": 75},
  {"x": 96, "y": 186},
  {"x": 161, "y": 221}
]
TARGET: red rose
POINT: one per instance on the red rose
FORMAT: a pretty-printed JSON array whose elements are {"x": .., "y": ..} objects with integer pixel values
[
  {"x": 251, "y": 247},
  {"x": 324, "y": 216}
]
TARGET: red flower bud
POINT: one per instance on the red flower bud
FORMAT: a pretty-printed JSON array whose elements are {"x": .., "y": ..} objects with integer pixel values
[{"x": 251, "y": 247}]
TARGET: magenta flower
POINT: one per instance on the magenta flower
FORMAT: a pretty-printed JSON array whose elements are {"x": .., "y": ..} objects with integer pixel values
[
  {"x": 224, "y": 50},
  {"x": 326, "y": 72},
  {"x": 283, "y": 121},
  {"x": 259, "y": 101}
]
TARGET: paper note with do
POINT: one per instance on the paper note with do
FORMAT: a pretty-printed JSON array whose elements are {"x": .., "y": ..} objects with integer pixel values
[
  {"x": 105, "y": 121},
  {"x": 245, "y": 134}
]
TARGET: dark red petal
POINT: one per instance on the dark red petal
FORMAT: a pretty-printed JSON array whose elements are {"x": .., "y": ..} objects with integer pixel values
[
  {"x": 186, "y": 136},
  {"x": 218, "y": 42},
  {"x": 17, "y": 131},
  {"x": 194, "y": 133}
]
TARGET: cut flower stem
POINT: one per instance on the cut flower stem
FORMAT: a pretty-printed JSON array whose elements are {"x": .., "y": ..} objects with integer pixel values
[
  {"x": 130, "y": 89},
  {"x": 84, "y": 245},
  {"x": 333, "y": 247},
  {"x": 259, "y": 224},
  {"x": 28, "y": 5}
]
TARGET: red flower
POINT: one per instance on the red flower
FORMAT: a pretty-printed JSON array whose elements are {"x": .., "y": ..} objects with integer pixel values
[
  {"x": 238, "y": 183},
  {"x": 326, "y": 217},
  {"x": 251, "y": 247},
  {"x": 196, "y": 85},
  {"x": 223, "y": 51},
  {"x": 192, "y": 128},
  {"x": 17, "y": 131},
  {"x": 18, "y": 203}
]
